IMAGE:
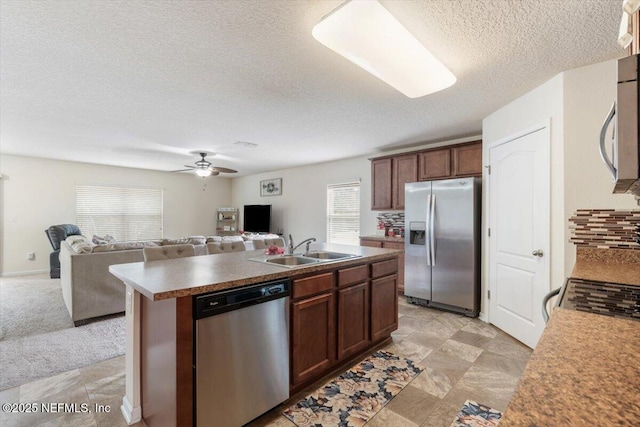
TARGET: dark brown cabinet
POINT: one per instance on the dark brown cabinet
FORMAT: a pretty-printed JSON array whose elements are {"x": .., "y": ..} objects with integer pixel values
[
  {"x": 312, "y": 337},
  {"x": 450, "y": 162},
  {"x": 371, "y": 243},
  {"x": 405, "y": 169},
  {"x": 381, "y": 184},
  {"x": 398, "y": 245},
  {"x": 467, "y": 160},
  {"x": 353, "y": 319},
  {"x": 384, "y": 314},
  {"x": 434, "y": 164},
  {"x": 332, "y": 317},
  {"x": 389, "y": 245},
  {"x": 390, "y": 174}
]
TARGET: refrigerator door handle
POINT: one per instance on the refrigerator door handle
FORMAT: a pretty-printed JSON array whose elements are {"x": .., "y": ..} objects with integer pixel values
[
  {"x": 432, "y": 230},
  {"x": 428, "y": 230}
]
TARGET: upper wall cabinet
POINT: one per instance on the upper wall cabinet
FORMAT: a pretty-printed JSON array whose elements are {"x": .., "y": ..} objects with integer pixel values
[
  {"x": 389, "y": 174},
  {"x": 435, "y": 164},
  {"x": 467, "y": 160},
  {"x": 381, "y": 184},
  {"x": 405, "y": 169}
]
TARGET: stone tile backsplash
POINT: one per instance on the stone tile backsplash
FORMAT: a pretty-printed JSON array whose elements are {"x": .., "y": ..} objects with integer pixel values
[
  {"x": 605, "y": 228},
  {"x": 391, "y": 219}
]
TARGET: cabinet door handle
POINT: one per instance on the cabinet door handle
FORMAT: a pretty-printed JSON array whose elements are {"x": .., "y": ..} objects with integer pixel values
[{"x": 537, "y": 252}]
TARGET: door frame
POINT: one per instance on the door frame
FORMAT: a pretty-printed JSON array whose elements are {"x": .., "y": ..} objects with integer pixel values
[{"x": 545, "y": 127}]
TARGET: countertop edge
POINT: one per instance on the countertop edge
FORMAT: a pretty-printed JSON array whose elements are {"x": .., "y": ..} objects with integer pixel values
[{"x": 241, "y": 282}]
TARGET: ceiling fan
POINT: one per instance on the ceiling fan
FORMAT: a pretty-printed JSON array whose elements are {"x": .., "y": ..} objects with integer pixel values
[{"x": 204, "y": 168}]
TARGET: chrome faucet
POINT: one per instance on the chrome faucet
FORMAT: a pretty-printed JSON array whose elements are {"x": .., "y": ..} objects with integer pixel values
[{"x": 291, "y": 248}]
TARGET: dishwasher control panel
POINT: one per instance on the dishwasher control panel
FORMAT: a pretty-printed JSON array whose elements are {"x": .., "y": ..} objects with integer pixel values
[{"x": 221, "y": 302}]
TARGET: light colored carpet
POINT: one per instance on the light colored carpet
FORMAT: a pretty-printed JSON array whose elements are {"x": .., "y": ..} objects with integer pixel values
[{"x": 37, "y": 336}]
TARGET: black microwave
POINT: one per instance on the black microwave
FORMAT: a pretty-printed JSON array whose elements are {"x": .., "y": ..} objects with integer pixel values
[{"x": 624, "y": 163}]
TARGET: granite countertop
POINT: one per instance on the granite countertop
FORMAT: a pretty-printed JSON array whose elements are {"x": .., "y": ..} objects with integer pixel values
[
  {"x": 384, "y": 238},
  {"x": 600, "y": 271},
  {"x": 158, "y": 280},
  {"x": 608, "y": 265},
  {"x": 584, "y": 371}
]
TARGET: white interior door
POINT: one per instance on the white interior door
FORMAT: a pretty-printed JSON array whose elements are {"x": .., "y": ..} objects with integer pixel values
[{"x": 519, "y": 245}]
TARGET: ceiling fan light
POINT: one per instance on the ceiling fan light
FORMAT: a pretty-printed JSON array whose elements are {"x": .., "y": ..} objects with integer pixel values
[
  {"x": 203, "y": 172},
  {"x": 364, "y": 32}
]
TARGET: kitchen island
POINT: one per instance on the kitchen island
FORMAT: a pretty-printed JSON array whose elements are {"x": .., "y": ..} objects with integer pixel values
[{"x": 338, "y": 311}]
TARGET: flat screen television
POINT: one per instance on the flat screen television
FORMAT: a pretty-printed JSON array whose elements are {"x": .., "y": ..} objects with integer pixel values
[{"x": 257, "y": 218}]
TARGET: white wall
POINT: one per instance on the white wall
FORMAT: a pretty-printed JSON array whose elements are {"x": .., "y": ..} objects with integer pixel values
[
  {"x": 577, "y": 102},
  {"x": 37, "y": 193},
  {"x": 301, "y": 209},
  {"x": 542, "y": 105},
  {"x": 588, "y": 92}
]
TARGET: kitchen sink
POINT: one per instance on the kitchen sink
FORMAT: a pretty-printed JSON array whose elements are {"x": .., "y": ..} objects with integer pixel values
[
  {"x": 291, "y": 260},
  {"x": 326, "y": 255},
  {"x": 300, "y": 260}
]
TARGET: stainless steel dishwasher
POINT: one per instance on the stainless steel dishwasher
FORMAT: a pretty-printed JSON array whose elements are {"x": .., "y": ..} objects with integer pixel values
[{"x": 242, "y": 353}]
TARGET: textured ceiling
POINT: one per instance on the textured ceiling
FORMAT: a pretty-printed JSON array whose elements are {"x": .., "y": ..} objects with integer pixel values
[{"x": 143, "y": 83}]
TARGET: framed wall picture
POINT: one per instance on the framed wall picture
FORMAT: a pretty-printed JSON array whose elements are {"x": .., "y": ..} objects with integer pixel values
[{"x": 271, "y": 187}]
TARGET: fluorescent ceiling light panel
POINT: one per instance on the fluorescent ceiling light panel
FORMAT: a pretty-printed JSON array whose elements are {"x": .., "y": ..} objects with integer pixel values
[{"x": 364, "y": 32}]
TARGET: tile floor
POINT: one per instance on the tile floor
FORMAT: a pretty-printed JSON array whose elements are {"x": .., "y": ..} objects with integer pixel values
[{"x": 463, "y": 359}]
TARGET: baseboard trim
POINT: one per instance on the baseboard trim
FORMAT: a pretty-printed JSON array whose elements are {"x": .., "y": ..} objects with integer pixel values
[
  {"x": 24, "y": 273},
  {"x": 482, "y": 316},
  {"x": 131, "y": 415}
]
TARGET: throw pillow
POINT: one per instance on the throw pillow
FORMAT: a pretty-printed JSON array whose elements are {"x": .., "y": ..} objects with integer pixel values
[{"x": 97, "y": 240}]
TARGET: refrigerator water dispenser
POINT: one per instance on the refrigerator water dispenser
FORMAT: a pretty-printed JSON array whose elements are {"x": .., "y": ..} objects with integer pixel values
[{"x": 417, "y": 232}]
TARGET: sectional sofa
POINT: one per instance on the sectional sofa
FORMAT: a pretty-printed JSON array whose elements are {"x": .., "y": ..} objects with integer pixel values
[{"x": 90, "y": 291}]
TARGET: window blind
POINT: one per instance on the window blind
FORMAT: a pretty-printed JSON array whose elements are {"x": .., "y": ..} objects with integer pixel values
[
  {"x": 125, "y": 213},
  {"x": 343, "y": 213}
]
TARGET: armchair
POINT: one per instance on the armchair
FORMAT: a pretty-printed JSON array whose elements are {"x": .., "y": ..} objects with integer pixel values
[{"x": 56, "y": 235}]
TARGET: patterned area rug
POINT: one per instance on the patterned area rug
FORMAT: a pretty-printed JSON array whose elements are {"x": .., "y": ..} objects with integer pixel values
[
  {"x": 474, "y": 414},
  {"x": 357, "y": 395}
]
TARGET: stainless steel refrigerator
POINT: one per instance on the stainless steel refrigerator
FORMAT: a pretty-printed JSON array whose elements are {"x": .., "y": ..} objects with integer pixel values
[{"x": 442, "y": 244}]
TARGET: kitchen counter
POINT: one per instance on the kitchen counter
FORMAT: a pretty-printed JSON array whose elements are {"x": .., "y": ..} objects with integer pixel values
[
  {"x": 608, "y": 265},
  {"x": 158, "y": 280},
  {"x": 384, "y": 238},
  {"x": 584, "y": 371},
  {"x": 599, "y": 271},
  {"x": 161, "y": 334}
]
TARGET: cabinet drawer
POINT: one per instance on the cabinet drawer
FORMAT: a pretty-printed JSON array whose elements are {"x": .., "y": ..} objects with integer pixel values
[
  {"x": 312, "y": 285},
  {"x": 393, "y": 245},
  {"x": 371, "y": 243},
  {"x": 353, "y": 275},
  {"x": 384, "y": 268}
]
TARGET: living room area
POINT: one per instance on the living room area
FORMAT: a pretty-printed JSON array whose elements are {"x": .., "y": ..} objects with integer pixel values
[{"x": 42, "y": 342}]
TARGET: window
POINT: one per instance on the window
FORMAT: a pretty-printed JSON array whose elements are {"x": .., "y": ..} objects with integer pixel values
[
  {"x": 127, "y": 214},
  {"x": 343, "y": 213}
]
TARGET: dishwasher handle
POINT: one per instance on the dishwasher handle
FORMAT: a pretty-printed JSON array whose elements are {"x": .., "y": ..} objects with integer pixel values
[{"x": 221, "y": 302}]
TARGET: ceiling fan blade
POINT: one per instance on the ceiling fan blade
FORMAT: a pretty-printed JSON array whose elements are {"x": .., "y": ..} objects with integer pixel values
[
  {"x": 192, "y": 167},
  {"x": 182, "y": 170},
  {"x": 214, "y": 173},
  {"x": 225, "y": 170}
]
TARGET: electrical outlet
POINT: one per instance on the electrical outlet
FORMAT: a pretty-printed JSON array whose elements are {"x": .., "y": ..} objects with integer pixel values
[{"x": 31, "y": 256}]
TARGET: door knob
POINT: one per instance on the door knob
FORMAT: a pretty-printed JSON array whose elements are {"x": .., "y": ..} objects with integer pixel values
[{"x": 537, "y": 252}]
